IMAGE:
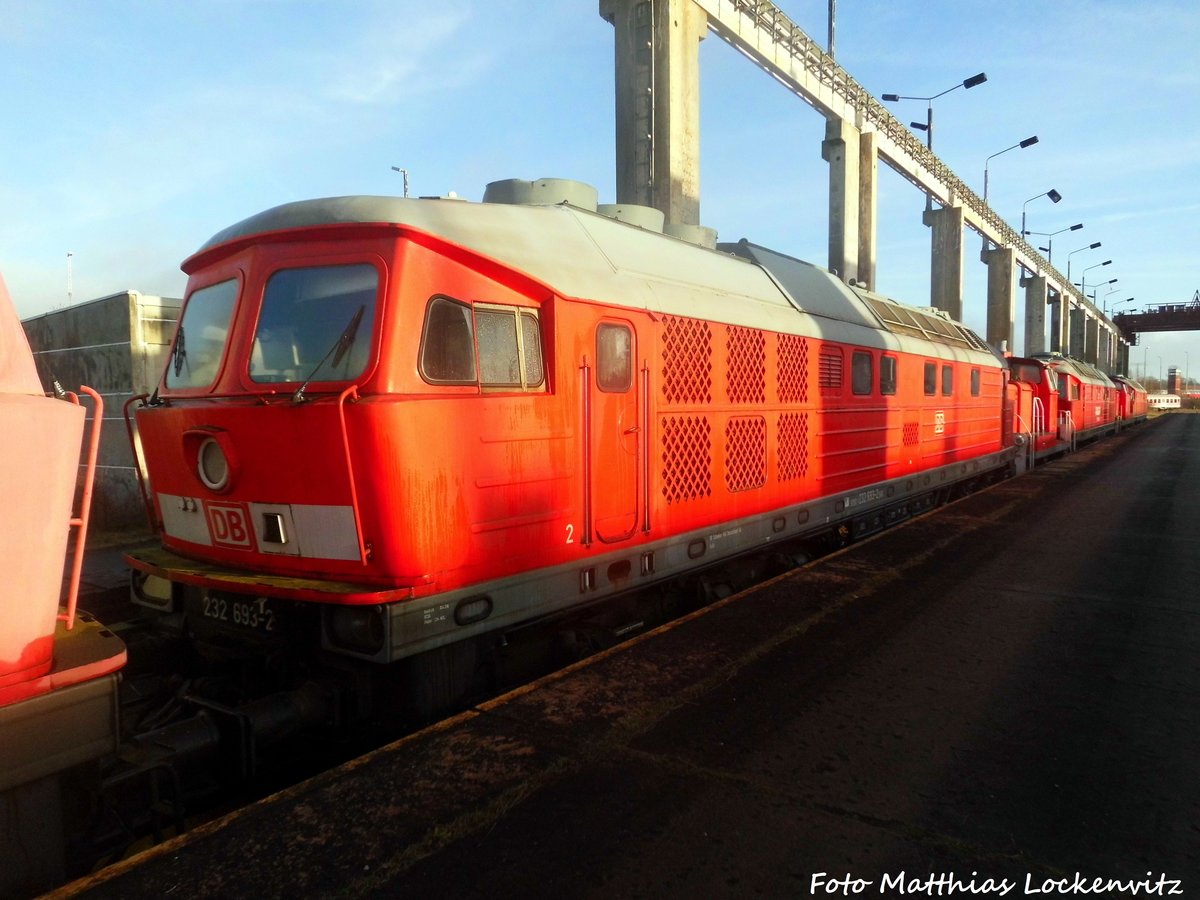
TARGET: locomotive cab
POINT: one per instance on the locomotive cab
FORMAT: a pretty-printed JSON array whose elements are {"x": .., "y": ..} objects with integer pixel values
[{"x": 1037, "y": 405}]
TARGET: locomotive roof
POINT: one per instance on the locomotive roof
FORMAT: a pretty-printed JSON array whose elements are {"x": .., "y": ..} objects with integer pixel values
[
  {"x": 1125, "y": 379},
  {"x": 1084, "y": 371},
  {"x": 585, "y": 255}
]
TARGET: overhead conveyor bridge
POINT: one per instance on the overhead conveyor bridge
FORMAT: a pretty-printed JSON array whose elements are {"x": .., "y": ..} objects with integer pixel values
[{"x": 859, "y": 131}]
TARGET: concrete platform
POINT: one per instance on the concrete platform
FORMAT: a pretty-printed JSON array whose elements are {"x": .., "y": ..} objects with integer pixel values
[{"x": 1005, "y": 689}]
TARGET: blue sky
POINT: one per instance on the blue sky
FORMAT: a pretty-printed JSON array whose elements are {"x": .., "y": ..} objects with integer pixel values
[{"x": 136, "y": 130}]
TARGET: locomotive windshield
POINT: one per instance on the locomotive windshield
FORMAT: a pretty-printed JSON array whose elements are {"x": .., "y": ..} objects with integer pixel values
[
  {"x": 315, "y": 324},
  {"x": 201, "y": 335}
]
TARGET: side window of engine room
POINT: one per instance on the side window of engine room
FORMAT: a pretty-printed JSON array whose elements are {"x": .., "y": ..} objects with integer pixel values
[
  {"x": 497, "y": 347},
  {"x": 861, "y": 372}
]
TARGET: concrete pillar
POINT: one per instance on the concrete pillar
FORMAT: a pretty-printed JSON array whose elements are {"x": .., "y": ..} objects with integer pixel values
[
  {"x": 946, "y": 259},
  {"x": 1075, "y": 345},
  {"x": 1036, "y": 295},
  {"x": 1056, "y": 322},
  {"x": 841, "y": 149},
  {"x": 868, "y": 171},
  {"x": 1123, "y": 358},
  {"x": 658, "y": 103},
  {"x": 1091, "y": 345},
  {"x": 1105, "y": 352},
  {"x": 1001, "y": 295}
]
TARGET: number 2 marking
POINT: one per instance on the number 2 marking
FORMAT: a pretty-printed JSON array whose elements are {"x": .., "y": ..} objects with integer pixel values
[{"x": 570, "y": 534}]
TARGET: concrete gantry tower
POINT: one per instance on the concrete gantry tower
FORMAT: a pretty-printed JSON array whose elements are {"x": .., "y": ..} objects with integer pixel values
[
  {"x": 658, "y": 103},
  {"x": 658, "y": 164}
]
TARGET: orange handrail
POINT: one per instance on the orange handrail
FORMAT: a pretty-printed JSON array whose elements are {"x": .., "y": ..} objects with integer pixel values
[
  {"x": 352, "y": 393},
  {"x": 138, "y": 464},
  {"x": 85, "y": 503}
]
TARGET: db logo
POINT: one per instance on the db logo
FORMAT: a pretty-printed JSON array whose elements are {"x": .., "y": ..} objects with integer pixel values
[{"x": 229, "y": 525}]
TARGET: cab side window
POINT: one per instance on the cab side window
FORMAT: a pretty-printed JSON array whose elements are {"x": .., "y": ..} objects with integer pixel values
[
  {"x": 496, "y": 347},
  {"x": 448, "y": 344}
]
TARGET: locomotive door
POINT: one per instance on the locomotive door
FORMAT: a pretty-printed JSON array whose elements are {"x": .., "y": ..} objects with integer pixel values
[{"x": 614, "y": 434}]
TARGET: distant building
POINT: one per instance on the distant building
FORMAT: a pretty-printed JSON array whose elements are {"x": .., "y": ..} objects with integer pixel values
[
  {"x": 1174, "y": 381},
  {"x": 117, "y": 346}
]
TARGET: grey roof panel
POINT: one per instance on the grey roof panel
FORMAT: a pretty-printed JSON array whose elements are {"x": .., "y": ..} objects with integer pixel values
[{"x": 814, "y": 290}]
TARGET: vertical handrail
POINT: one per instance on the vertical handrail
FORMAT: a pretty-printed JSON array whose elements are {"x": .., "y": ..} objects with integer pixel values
[
  {"x": 1067, "y": 424},
  {"x": 645, "y": 417},
  {"x": 135, "y": 445},
  {"x": 85, "y": 503},
  {"x": 585, "y": 382},
  {"x": 1039, "y": 415},
  {"x": 358, "y": 532}
]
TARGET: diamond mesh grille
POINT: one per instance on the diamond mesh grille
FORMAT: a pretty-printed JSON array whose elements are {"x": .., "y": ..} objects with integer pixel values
[
  {"x": 745, "y": 453},
  {"x": 912, "y": 434},
  {"x": 687, "y": 458},
  {"x": 793, "y": 369},
  {"x": 793, "y": 446},
  {"x": 686, "y": 361},
  {"x": 746, "y": 364}
]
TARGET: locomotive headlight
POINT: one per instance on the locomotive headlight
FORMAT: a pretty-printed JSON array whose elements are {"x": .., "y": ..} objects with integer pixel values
[
  {"x": 359, "y": 629},
  {"x": 211, "y": 453},
  {"x": 212, "y": 465}
]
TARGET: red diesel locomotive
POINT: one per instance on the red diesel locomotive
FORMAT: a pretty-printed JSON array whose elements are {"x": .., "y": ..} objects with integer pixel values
[{"x": 398, "y": 429}]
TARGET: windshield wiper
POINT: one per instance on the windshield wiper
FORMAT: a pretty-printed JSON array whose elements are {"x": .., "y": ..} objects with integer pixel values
[
  {"x": 179, "y": 352},
  {"x": 338, "y": 351}
]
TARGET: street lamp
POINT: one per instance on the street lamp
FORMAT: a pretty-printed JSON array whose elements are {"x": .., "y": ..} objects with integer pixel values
[
  {"x": 1028, "y": 142},
  {"x": 1080, "y": 250},
  {"x": 969, "y": 83},
  {"x": 1054, "y": 196},
  {"x": 1049, "y": 236},
  {"x": 403, "y": 172},
  {"x": 1083, "y": 277},
  {"x": 1122, "y": 303},
  {"x": 1104, "y": 304}
]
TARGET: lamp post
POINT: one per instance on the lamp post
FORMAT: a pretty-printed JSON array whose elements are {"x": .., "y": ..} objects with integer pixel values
[
  {"x": 1028, "y": 142},
  {"x": 1054, "y": 196},
  {"x": 1049, "y": 236},
  {"x": 927, "y": 127},
  {"x": 1080, "y": 250},
  {"x": 403, "y": 172},
  {"x": 1104, "y": 304},
  {"x": 1083, "y": 277}
]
